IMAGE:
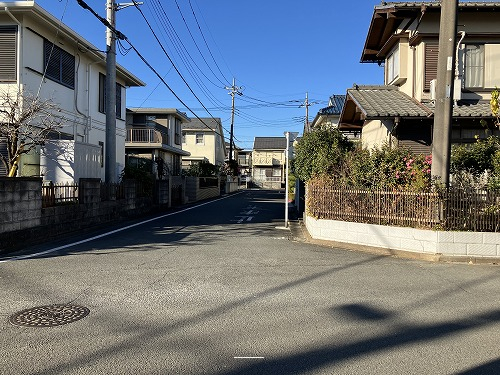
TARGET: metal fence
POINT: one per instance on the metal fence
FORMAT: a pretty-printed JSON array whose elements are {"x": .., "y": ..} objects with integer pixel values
[
  {"x": 451, "y": 210},
  {"x": 54, "y": 194}
]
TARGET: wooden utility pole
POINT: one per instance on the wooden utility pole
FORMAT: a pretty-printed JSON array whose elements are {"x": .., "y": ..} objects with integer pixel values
[{"x": 443, "y": 112}]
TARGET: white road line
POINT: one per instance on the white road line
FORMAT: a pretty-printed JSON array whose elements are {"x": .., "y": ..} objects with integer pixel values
[
  {"x": 27, "y": 256},
  {"x": 249, "y": 357}
]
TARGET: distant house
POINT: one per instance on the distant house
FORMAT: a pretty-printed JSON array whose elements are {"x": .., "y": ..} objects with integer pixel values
[
  {"x": 40, "y": 54},
  {"x": 268, "y": 162},
  {"x": 204, "y": 140},
  {"x": 330, "y": 115},
  {"x": 245, "y": 164},
  {"x": 156, "y": 134},
  {"x": 403, "y": 37}
]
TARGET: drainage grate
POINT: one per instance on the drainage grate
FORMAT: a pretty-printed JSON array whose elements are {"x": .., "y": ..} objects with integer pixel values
[{"x": 49, "y": 316}]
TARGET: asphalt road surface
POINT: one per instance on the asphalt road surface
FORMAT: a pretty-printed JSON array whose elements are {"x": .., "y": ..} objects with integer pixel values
[{"x": 217, "y": 288}]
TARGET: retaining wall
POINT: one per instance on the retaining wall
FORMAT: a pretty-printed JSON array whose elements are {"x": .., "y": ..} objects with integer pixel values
[{"x": 470, "y": 244}]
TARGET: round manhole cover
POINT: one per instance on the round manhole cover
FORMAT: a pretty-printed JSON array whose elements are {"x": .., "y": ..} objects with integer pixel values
[{"x": 49, "y": 316}]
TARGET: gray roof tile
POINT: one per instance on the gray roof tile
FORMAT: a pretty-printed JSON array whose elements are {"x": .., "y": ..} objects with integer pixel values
[
  {"x": 468, "y": 108},
  {"x": 386, "y": 101},
  {"x": 208, "y": 123},
  {"x": 269, "y": 143}
]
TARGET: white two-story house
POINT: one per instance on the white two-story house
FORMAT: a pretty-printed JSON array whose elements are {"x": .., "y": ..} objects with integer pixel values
[
  {"x": 403, "y": 37},
  {"x": 40, "y": 55}
]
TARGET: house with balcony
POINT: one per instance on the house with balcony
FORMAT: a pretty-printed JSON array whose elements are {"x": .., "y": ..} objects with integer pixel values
[
  {"x": 268, "y": 162},
  {"x": 403, "y": 37},
  {"x": 203, "y": 138},
  {"x": 245, "y": 164},
  {"x": 156, "y": 134},
  {"x": 40, "y": 55}
]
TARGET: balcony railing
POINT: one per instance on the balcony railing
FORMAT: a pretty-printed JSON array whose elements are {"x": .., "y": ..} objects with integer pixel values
[{"x": 142, "y": 135}]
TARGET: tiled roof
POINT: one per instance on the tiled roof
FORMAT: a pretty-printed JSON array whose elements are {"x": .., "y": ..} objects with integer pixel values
[
  {"x": 337, "y": 102},
  {"x": 468, "y": 108},
  {"x": 208, "y": 123},
  {"x": 269, "y": 143},
  {"x": 386, "y": 101}
]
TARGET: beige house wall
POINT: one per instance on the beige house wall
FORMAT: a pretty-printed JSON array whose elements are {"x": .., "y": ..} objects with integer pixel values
[
  {"x": 376, "y": 133},
  {"x": 412, "y": 58}
]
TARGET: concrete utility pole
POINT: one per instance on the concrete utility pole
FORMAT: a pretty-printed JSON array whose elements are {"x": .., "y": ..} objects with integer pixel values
[
  {"x": 232, "y": 91},
  {"x": 110, "y": 172},
  {"x": 290, "y": 137},
  {"x": 443, "y": 113}
]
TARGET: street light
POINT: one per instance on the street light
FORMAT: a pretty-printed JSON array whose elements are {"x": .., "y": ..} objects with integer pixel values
[{"x": 290, "y": 137}]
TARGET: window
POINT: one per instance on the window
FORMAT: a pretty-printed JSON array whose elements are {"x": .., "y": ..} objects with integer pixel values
[
  {"x": 59, "y": 64},
  {"x": 474, "y": 66},
  {"x": 8, "y": 53},
  {"x": 101, "y": 145},
  {"x": 481, "y": 66},
  {"x": 177, "y": 135},
  {"x": 200, "y": 139},
  {"x": 102, "y": 96},
  {"x": 183, "y": 137},
  {"x": 431, "y": 63},
  {"x": 393, "y": 66}
]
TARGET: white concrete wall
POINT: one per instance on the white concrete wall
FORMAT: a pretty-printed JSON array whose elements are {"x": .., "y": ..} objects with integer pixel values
[{"x": 473, "y": 244}]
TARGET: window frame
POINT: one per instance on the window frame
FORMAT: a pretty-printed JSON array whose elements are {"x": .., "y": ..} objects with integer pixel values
[
  {"x": 59, "y": 65},
  {"x": 393, "y": 68},
  {"x": 177, "y": 131},
  {"x": 102, "y": 96},
  {"x": 8, "y": 55},
  {"x": 202, "y": 138},
  {"x": 482, "y": 67}
]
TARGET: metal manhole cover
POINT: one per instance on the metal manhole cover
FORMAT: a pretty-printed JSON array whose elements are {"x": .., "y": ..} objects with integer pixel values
[{"x": 49, "y": 316}]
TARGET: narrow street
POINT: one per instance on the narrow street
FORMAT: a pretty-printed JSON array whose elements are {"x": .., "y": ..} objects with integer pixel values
[{"x": 218, "y": 288}]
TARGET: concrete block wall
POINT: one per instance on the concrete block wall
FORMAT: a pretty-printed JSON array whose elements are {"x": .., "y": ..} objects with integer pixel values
[
  {"x": 470, "y": 244},
  {"x": 21, "y": 203}
]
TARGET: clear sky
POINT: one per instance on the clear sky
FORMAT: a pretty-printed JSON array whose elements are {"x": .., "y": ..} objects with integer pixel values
[{"x": 276, "y": 50}]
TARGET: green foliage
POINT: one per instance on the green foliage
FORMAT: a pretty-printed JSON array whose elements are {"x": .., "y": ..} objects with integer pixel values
[
  {"x": 387, "y": 168},
  {"x": 230, "y": 168},
  {"x": 475, "y": 158},
  {"x": 202, "y": 169},
  {"x": 140, "y": 170},
  {"x": 320, "y": 152},
  {"x": 477, "y": 164}
]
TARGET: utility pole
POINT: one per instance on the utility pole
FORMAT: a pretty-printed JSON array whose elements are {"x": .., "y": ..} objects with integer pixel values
[
  {"x": 232, "y": 91},
  {"x": 443, "y": 113},
  {"x": 110, "y": 102},
  {"x": 307, "y": 104}
]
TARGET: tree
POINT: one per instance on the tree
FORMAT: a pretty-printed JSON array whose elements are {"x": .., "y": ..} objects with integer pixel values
[
  {"x": 202, "y": 169},
  {"x": 320, "y": 152},
  {"x": 495, "y": 105},
  {"x": 26, "y": 122}
]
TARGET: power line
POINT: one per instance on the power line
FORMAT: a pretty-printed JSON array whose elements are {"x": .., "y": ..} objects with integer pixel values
[
  {"x": 123, "y": 37},
  {"x": 196, "y": 44}
]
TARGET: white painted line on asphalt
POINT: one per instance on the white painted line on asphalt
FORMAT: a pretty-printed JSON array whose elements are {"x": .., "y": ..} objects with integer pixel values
[
  {"x": 27, "y": 256},
  {"x": 249, "y": 357}
]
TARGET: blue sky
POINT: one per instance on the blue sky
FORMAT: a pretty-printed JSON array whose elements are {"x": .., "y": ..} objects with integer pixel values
[{"x": 276, "y": 50}]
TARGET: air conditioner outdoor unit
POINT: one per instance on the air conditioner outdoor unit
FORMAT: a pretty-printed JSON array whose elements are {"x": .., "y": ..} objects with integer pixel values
[{"x": 433, "y": 89}]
